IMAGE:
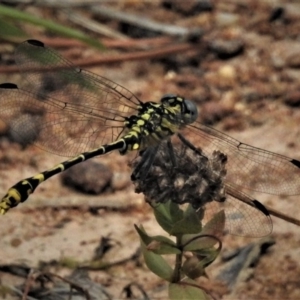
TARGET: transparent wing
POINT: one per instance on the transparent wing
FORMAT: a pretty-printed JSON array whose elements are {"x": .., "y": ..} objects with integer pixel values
[
  {"x": 244, "y": 217},
  {"x": 78, "y": 110},
  {"x": 56, "y": 126},
  {"x": 241, "y": 218},
  {"x": 248, "y": 167}
]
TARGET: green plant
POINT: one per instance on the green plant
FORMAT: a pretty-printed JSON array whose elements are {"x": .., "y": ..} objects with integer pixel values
[
  {"x": 11, "y": 16},
  {"x": 178, "y": 182},
  {"x": 195, "y": 247}
]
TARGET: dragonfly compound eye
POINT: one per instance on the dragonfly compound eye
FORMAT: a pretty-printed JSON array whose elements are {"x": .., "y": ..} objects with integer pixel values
[{"x": 190, "y": 112}]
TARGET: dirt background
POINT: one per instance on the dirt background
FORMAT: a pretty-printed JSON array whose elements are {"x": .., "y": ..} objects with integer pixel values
[{"x": 244, "y": 74}]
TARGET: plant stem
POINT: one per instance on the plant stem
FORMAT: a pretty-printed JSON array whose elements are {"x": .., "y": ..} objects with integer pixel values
[{"x": 178, "y": 261}]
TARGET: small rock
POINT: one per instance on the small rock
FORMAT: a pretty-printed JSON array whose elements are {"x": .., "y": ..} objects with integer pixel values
[
  {"x": 89, "y": 177},
  {"x": 227, "y": 73},
  {"x": 120, "y": 181},
  {"x": 226, "y": 19},
  {"x": 293, "y": 60},
  {"x": 229, "y": 100},
  {"x": 293, "y": 99},
  {"x": 292, "y": 10},
  {"x": 15, "y": 242},
  {"x": 291, "y": 74},
  {"x": 285, "y": 54},
  {"x": 276, "y": 13},
  {"x": 233, "y": 122},
  {"x": 213, "y": 112},
  {"x": 25, "y": 129},
  {"x": 225, "y": 49},
  {"x": 189, "y": 8}
]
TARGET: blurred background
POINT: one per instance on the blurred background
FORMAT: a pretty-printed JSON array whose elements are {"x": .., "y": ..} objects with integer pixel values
[{"x": 239, "y": 61}]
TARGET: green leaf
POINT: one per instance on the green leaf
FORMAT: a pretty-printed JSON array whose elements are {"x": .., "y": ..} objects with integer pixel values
[
  {"x": 147, "y": 239},
  {"x": 158, "y": 244},
  {"x": 186, "y": 289},
  {"x": 157, "y": 264},
  {"x": 207, "y": 256},
  {"x": 20, "y": 16},
  {"x": 167, "y": 214},
  {"x": 175, "y": 211},
  {"x": 193, "y": 268},
  {"x": 193, "y": 242},
  {"x": 188, "y": 224},
  {"x": 163, "y": 217},
  {"x": 175, "y": 221},
  {"x": 162, "y": 248},
  {"x": 213, "y": 228}
]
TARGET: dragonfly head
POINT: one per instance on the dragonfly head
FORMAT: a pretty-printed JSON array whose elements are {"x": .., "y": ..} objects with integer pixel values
[{"x": 188, "y": 109}]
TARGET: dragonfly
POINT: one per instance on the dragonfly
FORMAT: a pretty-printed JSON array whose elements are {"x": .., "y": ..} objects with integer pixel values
[{"x": 73, "y": 112}]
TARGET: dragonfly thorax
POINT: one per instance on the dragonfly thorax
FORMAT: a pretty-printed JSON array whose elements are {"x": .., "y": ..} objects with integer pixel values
[{"x": 158, "y": 121}]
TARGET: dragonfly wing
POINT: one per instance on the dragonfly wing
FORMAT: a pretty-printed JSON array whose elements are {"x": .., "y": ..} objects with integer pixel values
[
  {"x": 49, "y": 72},
  {"x": 249, "y": 167},
  {"x": 53, "y": 125},
  {"x": 81, "y": 110},
  {"x": 244, "y": 216}
]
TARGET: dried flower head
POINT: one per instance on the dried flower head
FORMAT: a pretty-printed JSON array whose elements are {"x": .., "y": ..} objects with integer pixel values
[{"x": 181, "y": 173}]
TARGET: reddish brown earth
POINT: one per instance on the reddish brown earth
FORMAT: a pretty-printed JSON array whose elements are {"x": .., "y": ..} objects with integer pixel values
[{"x": 253, "y": 96}]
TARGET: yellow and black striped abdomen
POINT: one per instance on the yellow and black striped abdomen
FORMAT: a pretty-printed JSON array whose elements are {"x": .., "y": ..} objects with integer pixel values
[{"x": 24, "y": 188}]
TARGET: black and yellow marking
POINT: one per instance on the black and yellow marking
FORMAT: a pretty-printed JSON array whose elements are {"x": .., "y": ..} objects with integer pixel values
[
  {"x": 152, "y": 123},
  {"x": 24, "y": 188}
]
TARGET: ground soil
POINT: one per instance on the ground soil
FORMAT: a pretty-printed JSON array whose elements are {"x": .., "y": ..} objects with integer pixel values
[{"x": 252, "y": 95}]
